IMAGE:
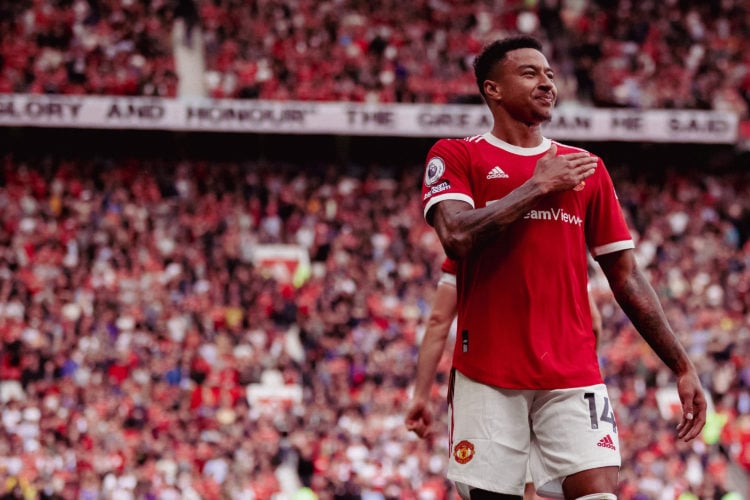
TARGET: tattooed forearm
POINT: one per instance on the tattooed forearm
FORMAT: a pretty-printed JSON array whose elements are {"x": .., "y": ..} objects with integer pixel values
[
  {"x": 640, "y": 303},
  {"x": 462, "y": 229}
]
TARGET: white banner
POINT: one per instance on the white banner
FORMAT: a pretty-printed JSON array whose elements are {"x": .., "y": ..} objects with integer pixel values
[{"x": 399, "y": 120}]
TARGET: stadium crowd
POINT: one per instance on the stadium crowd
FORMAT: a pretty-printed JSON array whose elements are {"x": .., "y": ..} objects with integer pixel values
[
  {"x": 139, "y": 332},
  {"x": 87, "y": 47},
  {"x": 610, "y": 53},
  {"x": 147, "y": 354}
]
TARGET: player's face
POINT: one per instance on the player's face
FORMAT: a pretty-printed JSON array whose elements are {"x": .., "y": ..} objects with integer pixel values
[{"x": 526, "y": 86}]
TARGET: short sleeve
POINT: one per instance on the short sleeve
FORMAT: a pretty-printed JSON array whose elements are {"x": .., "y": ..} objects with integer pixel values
[
  {"x": 449, "y": 266},
  {"x": 446, "y": 175},
  {"x": 606, "y": 229}
]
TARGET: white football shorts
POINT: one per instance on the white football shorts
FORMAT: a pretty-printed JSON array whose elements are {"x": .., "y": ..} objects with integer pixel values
[{"x": 496, "y": 432}]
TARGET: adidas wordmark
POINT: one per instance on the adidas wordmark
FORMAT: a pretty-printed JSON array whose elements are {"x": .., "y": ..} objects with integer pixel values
[
  {"x": 606, "y": 442},
  {"x": 497, "y": 173}
]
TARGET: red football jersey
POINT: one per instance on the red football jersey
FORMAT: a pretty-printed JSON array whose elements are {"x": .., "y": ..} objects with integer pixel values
[
  {"x": 524, "y": 320},
  {"x": 449, "y": 266}
]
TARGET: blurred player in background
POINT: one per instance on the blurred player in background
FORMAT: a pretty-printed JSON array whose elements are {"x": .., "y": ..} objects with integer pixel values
[{"x": 512, "y": 207}]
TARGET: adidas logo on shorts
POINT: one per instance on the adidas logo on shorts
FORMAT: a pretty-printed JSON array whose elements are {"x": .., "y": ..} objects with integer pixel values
[
  {"x": 606, "y": 442},
  {"x": 497, "y": 173}
]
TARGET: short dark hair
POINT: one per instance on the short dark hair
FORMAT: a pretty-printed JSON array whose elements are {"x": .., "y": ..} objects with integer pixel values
[{"x": 496, "y": 51}]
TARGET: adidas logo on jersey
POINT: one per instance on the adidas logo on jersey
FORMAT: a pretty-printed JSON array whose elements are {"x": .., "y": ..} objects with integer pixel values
[
  {"x": 497, "y": 173},
  {"x": 606, "y": 442}
]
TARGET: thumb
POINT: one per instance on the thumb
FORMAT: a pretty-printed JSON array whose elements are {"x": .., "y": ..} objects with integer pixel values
[{"x": 552, "y": 151}]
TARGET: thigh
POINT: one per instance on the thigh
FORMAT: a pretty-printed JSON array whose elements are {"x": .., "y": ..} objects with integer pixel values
[
  {"x": 588, "y": 482},
  {"x": 573, "y": 430},
  {"x": 489, "y": 436}
]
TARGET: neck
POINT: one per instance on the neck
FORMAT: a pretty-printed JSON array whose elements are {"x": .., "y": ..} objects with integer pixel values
[{"x": 518, "y": 134}]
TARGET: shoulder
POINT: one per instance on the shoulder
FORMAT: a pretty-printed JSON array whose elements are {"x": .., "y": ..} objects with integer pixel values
[
  {"x": 452, "y": 152},
  {"x": 458, "y": 146},
  {"x": 567, "y": 148}
]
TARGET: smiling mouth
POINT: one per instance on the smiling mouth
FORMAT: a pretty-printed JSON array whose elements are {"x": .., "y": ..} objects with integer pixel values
[{"x": 547, "y": 99}]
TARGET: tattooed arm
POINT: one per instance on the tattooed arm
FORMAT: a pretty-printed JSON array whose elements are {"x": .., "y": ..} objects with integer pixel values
[
  {"x": 461, "y": 229},
  {"x": 639, "y": 301}
]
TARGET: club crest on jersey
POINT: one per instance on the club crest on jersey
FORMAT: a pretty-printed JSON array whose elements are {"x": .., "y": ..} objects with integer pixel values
[
  {"x": 580, "y": 186},
  {"x": 463, "y": 452},
  {"x": 435, "y": 170}
]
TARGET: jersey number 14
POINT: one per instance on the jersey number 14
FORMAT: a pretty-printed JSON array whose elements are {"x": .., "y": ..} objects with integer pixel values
[{"x": 606, "y": 416}]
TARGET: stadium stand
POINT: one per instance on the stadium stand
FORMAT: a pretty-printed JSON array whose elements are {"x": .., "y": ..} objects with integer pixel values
[
  {"x": 158, "y": 343},
  {"x": 611, "y": 54},
  {"x": 148, "y": 354},
  {"x": 685, "y": 55},
  {"x": 87, "y": 47}
]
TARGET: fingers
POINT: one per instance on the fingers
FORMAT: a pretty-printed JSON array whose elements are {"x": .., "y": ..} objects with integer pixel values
[
  {"x": 566, "y": 171},
  {"x": 588, "y": 171},
  {"x": 582, "y": 155},
  {"x": 585, "y": 161},
  {"x": 580, "y": 163},
  {"x": 689, "y": 428},
  {"x": 581, "y": 169},
  {"x": 418, "y": 421},
  {"x": 693, "y": 419},
  {"x": 685, "y": 425},
  {"x": 418, "y": 427}
]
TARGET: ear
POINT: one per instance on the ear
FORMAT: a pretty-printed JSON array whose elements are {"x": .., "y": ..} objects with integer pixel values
[{"x": 492, "y": 90}]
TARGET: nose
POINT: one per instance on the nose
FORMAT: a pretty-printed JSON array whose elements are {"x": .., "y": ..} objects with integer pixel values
[{"x": 546, "y": 83}]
